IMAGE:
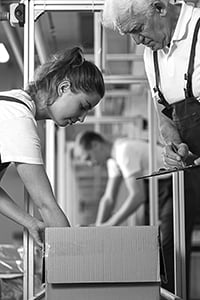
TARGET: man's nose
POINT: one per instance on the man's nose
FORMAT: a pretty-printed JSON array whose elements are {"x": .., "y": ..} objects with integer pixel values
[{"x": 137, "y": 38}]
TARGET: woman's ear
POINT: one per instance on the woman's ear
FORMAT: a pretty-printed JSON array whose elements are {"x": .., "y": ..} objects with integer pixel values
[
  {"x": 63, "y": 87},
  {"x": 161, "y": 7}
]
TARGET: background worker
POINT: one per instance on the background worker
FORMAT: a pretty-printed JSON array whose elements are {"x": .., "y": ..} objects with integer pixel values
[
  {"x": 127, "y": 159},
  {"x": 65, "y": 88},
  {"x": 170, "y": 34}
]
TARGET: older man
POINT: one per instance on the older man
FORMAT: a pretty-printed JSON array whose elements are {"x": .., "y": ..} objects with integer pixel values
[{"x": 170, "y": 34}]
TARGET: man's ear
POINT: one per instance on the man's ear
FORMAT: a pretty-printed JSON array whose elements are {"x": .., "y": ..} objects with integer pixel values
[
  {"x": 161, "y": 7},
  {"x": 63, "y": 87},
  {"x": 94, "y": 144}
]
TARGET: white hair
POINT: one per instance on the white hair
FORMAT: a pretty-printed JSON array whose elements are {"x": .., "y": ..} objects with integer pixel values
[{"x": 118, "y": 12}]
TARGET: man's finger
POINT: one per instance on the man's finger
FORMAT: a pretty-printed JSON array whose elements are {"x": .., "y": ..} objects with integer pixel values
[{"x": 197, "y": 161}]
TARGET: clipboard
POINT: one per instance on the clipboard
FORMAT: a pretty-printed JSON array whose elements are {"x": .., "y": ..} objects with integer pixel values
[{"x": 164, "y": 171}]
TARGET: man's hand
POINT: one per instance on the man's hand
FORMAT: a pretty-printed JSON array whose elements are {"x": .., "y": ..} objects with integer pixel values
[
  {"x": 197, "y": 161},
  {"x": 175, "y": 155}
]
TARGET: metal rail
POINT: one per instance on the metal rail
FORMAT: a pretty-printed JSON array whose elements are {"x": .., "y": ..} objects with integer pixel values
[
  {"x": 39, "y": 295},
  {"x": 168, "y": 296},
  {"x": 179, "y": 235},
  {"x": 124, "y": 79},
  {"x": 28, "y": 278},
  {"x": 95, "y": 6}
]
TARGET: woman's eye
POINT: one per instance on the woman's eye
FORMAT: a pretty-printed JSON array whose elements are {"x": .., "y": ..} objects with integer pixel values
[{"x": 82, "y": 108}]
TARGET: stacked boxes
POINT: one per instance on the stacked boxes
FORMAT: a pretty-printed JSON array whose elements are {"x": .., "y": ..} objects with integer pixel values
[{"x": 102, "y": 263}]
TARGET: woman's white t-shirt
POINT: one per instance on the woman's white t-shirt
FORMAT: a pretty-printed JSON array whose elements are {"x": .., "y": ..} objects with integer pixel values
[{"x": 19, "y": 139}]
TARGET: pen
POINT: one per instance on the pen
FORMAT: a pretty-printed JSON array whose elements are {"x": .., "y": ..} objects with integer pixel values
[{"x": 175, "y": 149}]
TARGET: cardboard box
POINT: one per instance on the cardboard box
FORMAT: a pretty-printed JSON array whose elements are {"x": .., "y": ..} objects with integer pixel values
[{"x": 102, "y": 263}]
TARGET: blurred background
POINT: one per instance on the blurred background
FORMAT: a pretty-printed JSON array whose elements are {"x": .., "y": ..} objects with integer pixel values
[{"x": 124, "y": 111}]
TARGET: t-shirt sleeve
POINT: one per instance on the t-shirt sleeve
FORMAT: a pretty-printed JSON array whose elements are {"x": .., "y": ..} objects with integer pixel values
[
  {"x": 19, "y": 141},
  {"x": 113, "y": 169},
  {"x": 129, "y": 160}
]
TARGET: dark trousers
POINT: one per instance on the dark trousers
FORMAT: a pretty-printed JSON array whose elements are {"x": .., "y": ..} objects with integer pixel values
[
  {"x": 166, "y": 228},
  {"x": 186, "y": 116}
]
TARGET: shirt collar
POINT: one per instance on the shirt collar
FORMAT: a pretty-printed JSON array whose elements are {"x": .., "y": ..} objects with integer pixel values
[{"x": 183, "y": 20}]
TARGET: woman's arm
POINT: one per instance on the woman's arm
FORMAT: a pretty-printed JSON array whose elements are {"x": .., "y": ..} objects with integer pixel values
[
  {"x": 38, "y": 186},
  {"x": 11, "y": 210}
]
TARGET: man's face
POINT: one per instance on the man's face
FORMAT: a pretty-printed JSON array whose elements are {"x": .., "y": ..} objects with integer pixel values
[
  {"x": 152, "y": 31},
  {"x": 93, "y": 156}
]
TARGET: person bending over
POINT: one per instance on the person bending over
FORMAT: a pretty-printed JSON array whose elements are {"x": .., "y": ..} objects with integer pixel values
[
  {"x": 64, "y": 89},
  {"x": 127, "y": 159}
]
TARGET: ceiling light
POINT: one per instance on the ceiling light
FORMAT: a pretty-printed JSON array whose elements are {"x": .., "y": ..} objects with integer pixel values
[{"x": 4, "y": 56}]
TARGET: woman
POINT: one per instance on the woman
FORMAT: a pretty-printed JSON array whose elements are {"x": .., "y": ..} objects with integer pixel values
[{"x": 65, "y": 88}]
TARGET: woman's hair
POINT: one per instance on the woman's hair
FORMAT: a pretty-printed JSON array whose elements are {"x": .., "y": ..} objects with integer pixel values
[
  {"x": 85, "y": 139},
  {"x": 83, "y": 75}
]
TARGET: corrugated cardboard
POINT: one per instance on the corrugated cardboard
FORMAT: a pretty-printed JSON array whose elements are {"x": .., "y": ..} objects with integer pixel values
[
  {"x": 96, "y": 263},
  {"x": 103, "y": 292}
]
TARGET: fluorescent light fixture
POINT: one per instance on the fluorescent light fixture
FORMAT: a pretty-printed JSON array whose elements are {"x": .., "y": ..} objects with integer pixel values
[{"x": 4, "y": 56}]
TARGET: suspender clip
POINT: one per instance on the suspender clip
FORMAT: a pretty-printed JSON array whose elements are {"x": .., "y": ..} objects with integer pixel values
[
  {"x": 185, "y": 85},
  {"x": 156, "y": 95},
  {"x": 186, "y": 76}
]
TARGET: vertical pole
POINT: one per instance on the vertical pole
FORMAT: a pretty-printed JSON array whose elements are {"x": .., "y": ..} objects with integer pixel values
[
  {"x": 98, "y": 35},
  {"x": 182, "y": 234},
  {"x": 97, "y": 55},
  {"x": 28, "y": 279},
  {"x": 71, "y": 202},
  {"x": 61, "y": 169},
  {"x": 153, "y": 182},
  {"x": 179, "y": 235},
  {"x": 50, "y": 152}
]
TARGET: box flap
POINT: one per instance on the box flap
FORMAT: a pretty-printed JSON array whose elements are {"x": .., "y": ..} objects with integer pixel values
[{"x": 102, "y": 254}]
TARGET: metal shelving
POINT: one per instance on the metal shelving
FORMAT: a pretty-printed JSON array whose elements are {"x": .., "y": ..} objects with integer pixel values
[{"x": 33, "y": 10}]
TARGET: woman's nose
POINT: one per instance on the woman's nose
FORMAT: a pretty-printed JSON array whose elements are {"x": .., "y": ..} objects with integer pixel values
[{"x": 82, "y": 117}]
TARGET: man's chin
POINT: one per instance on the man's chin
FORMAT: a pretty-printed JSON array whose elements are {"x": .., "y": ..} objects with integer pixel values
[{"x": 156, "y": 47}]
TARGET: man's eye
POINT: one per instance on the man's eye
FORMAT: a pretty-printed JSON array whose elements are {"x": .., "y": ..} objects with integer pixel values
[
  {"x": 87, "y": 158},
  {"x": 137, "y": 29}
]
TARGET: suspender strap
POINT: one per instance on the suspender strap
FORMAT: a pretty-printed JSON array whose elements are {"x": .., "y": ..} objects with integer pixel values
[
  {"x": 188, "y": 76},
  {"x": 8, "y": 98},
  {"x": 156, "y": 68},
  {"x": 161, "y": 98},
  {"x": 167, "y": 110}
]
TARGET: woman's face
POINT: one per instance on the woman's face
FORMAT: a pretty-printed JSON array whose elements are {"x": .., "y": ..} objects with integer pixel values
[{"x": 70, "y": 108}]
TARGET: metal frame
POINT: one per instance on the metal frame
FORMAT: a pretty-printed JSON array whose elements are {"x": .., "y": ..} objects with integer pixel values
[
  {"x": 153, "y": 182},
  {"x": 168, "y": 296},
  {"x": 33, "y": 10},
  {"x": 28, "y": 278},
  {"x": 179, "y": 235}
]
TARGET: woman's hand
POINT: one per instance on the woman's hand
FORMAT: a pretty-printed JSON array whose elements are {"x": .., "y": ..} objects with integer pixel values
[
  {"x": 36, "y": 229},
  {"x": 175, "y": 155}
]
